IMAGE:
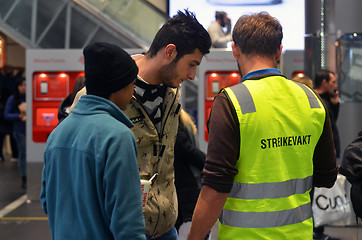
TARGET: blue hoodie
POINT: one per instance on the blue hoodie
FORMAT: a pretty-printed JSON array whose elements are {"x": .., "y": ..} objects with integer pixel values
[{"x": 90, "y": 182}]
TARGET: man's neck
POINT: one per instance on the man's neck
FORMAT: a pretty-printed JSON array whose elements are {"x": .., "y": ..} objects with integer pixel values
[
  {"x": 149, "y": 69},
  {"x": 254, "y": 63},
  {"x": 319, "y": 91}
]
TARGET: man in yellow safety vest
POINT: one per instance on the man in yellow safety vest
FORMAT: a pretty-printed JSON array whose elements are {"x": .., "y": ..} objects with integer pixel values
[{"x": 270, "y": 141}]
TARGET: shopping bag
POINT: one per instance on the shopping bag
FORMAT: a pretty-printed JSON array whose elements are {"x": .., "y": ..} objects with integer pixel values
[{"x": 331, "y": 204}]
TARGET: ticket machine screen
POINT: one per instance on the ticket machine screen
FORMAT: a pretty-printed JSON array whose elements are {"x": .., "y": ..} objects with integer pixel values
[{"x": 214, "y": 82}]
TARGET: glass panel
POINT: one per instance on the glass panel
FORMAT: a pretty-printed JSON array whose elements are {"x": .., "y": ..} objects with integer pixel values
[
  {"x": 54, "y": 38},
  {"x": 136, "y": 16},
  {"x": 5, "y": 7},
  {"x": 103, "y": 36},
  {"x": 349, "y": 67},
  {"x": 81, "y": 28},
  {"x": 20, "y": 18},
  {"x": 47, "y": 9}
]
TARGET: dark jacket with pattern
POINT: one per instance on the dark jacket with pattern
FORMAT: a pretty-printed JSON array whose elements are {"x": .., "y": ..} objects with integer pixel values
[{"x": 156, "y": 155}]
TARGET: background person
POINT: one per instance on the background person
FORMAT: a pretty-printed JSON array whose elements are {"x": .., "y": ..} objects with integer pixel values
[
  {"x": 90, "y": 182},
  {"x": 254, "y": 179},
  {"x": 15, "y": 111},
  {"x": 219, "y": 37},
  {"x": 64, "y": 107},
  {"x": 326, "y": 86},
  {"x": 189, "y": 162},
  {"x": 351, "y": 167},
  {"x": 8, "y": 80},
  {"x": 5, "y": 127}
]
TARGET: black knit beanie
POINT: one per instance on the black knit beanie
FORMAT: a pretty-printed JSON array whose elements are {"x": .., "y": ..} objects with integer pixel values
[{"x": 108, "y": 68}]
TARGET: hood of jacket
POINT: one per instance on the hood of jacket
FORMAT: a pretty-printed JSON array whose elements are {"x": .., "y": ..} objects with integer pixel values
[{"x": 92, "y": 105}]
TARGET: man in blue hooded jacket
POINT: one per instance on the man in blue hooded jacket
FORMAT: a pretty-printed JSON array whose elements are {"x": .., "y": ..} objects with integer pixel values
[{"x": 90, "y": 183}]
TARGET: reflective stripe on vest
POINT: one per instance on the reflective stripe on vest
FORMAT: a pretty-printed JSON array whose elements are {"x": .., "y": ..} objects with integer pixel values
[
  {"x": 271, "y": 189},
  {"x": 247, "y": 104},
  {"x": 311, "y": 98},
  {"x": 266, "y": 219},
  {"x": 270, "y": 196}
]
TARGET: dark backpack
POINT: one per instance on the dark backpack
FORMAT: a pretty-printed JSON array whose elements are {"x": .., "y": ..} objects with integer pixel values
[{"x": 351, "y": 167}]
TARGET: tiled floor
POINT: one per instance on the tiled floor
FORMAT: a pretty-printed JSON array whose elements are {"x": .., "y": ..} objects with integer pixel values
[
  {"x": 10, "y": 183},
  {"x": 19, "y": 218}
]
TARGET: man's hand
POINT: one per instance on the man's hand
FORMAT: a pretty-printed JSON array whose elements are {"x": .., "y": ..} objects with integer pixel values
[
  {"x": 227, "y": 20},
  {"x": 335, "y": 98},
  {"x": 207, "y": 211},
  {"x": 22, "y": 117}
]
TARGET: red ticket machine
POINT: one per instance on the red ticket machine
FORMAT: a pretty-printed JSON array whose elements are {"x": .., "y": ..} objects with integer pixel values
[
  {"x": 217, "y": 70},
  {"x": 49, "y": 89}
]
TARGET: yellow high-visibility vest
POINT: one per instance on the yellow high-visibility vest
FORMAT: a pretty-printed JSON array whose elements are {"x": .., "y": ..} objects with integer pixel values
[{"x": 281, "y": 122}]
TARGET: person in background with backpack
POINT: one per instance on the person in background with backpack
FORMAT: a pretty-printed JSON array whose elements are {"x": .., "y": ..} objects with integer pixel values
[{"x": 351, "y": 167}]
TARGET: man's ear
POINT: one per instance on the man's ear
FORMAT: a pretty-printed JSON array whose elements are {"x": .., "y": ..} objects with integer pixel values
[
  {"x": 236, "y": 50},
  {"x": 170, "y": 52},
  {"x": 279, "y": 53}
]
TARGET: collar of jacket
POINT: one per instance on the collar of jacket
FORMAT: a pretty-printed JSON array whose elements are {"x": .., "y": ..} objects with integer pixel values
[{"x": 260, "y": 72}]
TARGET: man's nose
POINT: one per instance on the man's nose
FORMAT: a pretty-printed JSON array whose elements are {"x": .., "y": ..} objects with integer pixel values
[{"x": 192, "y": 75}]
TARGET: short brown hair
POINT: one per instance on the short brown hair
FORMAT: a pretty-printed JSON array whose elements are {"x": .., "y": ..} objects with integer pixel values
[{"x": 258, "y": 33}]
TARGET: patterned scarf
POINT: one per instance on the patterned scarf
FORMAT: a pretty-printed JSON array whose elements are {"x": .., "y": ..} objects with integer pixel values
[{"x": 151, "y": 98}]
